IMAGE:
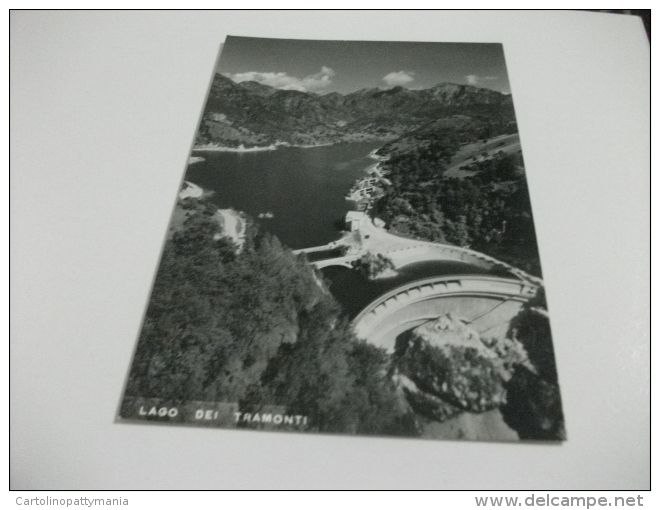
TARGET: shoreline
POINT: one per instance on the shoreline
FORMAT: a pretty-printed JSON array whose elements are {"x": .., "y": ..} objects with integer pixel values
[
  {"x": 375, "y": 156},
  {"x": 190, "y": 190},
  {"x": 241, "y": 148},
  {"x": 233, "y": 225},
  {"x": 365, "y": 187}
]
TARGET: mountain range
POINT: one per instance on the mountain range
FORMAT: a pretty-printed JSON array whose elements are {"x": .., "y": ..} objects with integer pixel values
[{"x": 252, "y": 114}]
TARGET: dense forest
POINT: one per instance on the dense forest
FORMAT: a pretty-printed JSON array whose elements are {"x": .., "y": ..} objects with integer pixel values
[
  {"x": 254, "y": 114},
  {"x": 487, "y": 210},
  {"x": 256, "y": 326},
  {"x": 533, "y": 406}
]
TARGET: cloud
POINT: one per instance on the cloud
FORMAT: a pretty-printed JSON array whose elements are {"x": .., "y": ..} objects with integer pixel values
[
  {"x": 398, "y": 78},
  {"x": 474, "y": 79},
  {"x": 281, "y": 80}
]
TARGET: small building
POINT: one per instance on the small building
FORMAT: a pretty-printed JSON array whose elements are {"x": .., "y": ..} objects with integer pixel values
[{"x": 353, "y": 219}]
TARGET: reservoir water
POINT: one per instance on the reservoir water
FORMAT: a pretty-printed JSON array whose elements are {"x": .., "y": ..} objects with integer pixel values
[
  {"x": 355, "y": 291},
  {"x": 303, "y": 189}
]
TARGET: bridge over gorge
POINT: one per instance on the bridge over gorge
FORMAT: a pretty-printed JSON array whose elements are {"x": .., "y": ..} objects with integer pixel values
[
  {"x": 486, "y": 303},
  {"x": 365, "y": 237}
]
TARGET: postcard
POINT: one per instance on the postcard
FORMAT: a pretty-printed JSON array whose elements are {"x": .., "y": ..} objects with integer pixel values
[{"x": 352, "y": 251}]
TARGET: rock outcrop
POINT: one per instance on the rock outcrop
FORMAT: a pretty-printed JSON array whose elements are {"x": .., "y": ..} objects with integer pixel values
[{"x": 444, "y": 367}]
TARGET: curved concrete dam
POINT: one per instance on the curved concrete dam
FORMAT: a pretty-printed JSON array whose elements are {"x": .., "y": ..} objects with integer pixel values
[
  {"x": 486, "y": 303},
  {"x": 484, "y": 292}
]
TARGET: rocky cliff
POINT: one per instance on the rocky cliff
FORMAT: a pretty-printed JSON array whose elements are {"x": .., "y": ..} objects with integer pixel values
[{"x": 444, "y": 367}]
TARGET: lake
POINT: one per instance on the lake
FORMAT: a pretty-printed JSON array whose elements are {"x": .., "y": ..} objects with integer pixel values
[{"x": 304, "y": 189}]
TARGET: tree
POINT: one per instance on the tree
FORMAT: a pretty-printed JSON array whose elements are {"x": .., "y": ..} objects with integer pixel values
[
  {"x": 255, "y": 328},
  {"x": 373, "y": 265}
]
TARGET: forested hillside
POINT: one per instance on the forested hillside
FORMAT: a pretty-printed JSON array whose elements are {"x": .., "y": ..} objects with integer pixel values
[
  {"x": 253, "y": 114},
  {"x": 487, "y": 210},
  {"x": 256, "y": 327}
]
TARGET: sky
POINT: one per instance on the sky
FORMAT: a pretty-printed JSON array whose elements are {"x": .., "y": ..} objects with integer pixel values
[{"x": 347, "y": 66}]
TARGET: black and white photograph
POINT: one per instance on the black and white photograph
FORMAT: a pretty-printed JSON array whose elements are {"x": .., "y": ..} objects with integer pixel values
[{"x": 352, "y": 251}]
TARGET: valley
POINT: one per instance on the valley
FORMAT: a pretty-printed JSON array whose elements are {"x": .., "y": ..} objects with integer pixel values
[{"x": 251, "y": 115}]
